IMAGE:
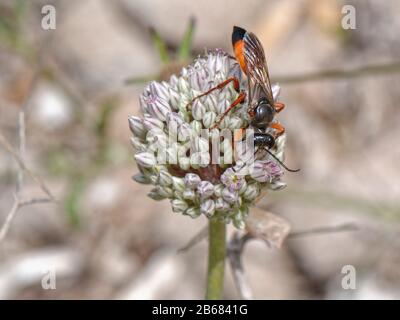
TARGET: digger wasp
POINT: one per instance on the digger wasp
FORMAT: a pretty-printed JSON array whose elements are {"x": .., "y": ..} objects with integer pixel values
[{"x": 261, "y": 108}]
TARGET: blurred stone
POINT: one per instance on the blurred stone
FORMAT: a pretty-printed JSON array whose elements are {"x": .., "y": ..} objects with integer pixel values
[
  {"x": 103, "y": 193},
  {"x": 161, "y": 273},
  {"x": 270, "y": 274},
  {"x": 51, "y": 108},
  {"x": 215, "y": 19},
  {"x": 99, "y": 50},
  {"x": 30, "y": 268}
]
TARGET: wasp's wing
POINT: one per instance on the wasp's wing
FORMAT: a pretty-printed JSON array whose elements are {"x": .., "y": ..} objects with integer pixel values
[{"x": 256, "y": 64}]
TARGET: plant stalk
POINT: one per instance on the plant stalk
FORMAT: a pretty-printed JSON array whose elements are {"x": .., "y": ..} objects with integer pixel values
[{"x": 216, "y": 259}]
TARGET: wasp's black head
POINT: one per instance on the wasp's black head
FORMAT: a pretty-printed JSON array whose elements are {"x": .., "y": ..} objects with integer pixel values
[{"x": 237, "y": 34}]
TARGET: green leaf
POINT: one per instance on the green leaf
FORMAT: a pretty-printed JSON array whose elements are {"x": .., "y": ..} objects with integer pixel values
[
  {"x": 186, "y": 44},
  {"x": 160, "y": 45},
  {"x": 72, "y": 202}
]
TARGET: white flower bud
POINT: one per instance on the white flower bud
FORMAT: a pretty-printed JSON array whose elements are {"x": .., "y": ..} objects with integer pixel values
[
  {"x": 196, "y": 126},
  {"x": 211, "y": 103},
  {"x": 184, "y": 163},
  {"x": 252, "y": 192},
  {"x": 229, "y": 196},
  {"x": 178, "y": 184},
  {"x": 155, "y": 195},
  {"x": 243, "y": 187},
  {"x": 192, "y": 212},
  {"x": 205, "y": 189},
  {"x": 178, "y": 205},
  {"x": 165, "y": 178},
  {"x": 277, "y": 185},
  {"x": 159, "y": 109},
  {"x": 174, "y": 99},
  {"x": 173, "y": 80},
  {"x": 209, "y": 119},
  {"x": 141, "y": 178},
  {"x": 221, "y": 205},
  {"x": 189, "y": 195},
  {"x": 172, "y": 154},
  {"x": 184, "y": 132},
  {"x": 145, "y": 159},
  {"x": 218, "y": 190},
  {"x": 137, "y": 144},
  {"x": 198, "y": 110},
  {"x": 165, "y": 191},
  {"x": 153, "y": 123},
  {"x": 174, "y": 117},
  {"x": 192, "y": 180},
  {"x": 223, "y": 105},
  {"x": 224, "y": 122},
  {"x": 207, "y": 207},
  {"x": 159, "y": 90},
  {"x": 137, "y": 127},
  {"x": 183, "y": 85},
  {"x": 235, "y": 123},
  {"x": 153, "y": 179}
]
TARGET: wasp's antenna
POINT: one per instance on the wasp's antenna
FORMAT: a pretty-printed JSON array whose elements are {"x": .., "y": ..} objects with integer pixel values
[{"x": 280, "y": 162}]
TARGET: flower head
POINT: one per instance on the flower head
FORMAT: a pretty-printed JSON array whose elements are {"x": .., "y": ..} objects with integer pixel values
[{"x": 174, "y": 154}]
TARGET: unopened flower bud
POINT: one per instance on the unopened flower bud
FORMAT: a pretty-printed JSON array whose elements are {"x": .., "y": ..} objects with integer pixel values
[
  {"x": 198, "y": 110},
  {"x": 189, "y": 194},
  {"x": 221, "y": 205},
  {"x": 192, "y": 212},
  {"x": 153, "y": 123},
  {"x": 192, "y": 180},
  {"x": 209, "y": 119},
  {"x": 164, "y": 178},
  {"x": 207, "y": 207},
  {"x": 229, "y": 196},
  {"x": 146, "y": 159},
  {"x": 205, "y": 189},
  {"x": 137, "y": 127},
  {"x": 178, "y": 184},
  {"x": 179, "y": 206},
  {"x": 252, "y": 192}
]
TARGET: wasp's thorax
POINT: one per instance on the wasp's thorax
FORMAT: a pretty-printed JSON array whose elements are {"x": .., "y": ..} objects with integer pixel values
[{"x": 263, "y": 114}]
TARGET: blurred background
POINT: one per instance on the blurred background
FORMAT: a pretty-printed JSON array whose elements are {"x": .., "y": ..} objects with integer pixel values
[{"x": 104, "y": 238}]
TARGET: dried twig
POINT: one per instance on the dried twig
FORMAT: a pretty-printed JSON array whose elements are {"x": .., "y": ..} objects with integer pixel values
[
  {"x": 21, "y": 203},
  {"x": 237, "y": 243},
  {"x": 235, "y": 250},
  {"x": 19, "y": 158},
  {"x": 324, "y": 230},
  {"x": 22, "y": 166},
  {"x": 334, "y": 74},
  {"x": 14, "y": 209}
]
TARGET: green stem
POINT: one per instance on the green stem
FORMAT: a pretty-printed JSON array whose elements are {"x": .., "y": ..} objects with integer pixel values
[{"x": 216, "y": 259}]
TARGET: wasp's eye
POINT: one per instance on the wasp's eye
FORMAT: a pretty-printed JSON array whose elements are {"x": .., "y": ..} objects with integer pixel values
[{"x": 270, "y": 141}]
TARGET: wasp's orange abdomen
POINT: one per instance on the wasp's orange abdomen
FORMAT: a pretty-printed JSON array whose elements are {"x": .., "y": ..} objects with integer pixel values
[{"x": 238, "y": 46}]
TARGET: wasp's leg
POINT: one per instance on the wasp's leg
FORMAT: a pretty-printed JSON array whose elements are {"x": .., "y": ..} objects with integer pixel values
[
  {"x": 240, "y": 99},
  {"x": 279, "y": 106},
  {"x": 280, "y": 130},
  {"x": 223, "y": 84}
]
